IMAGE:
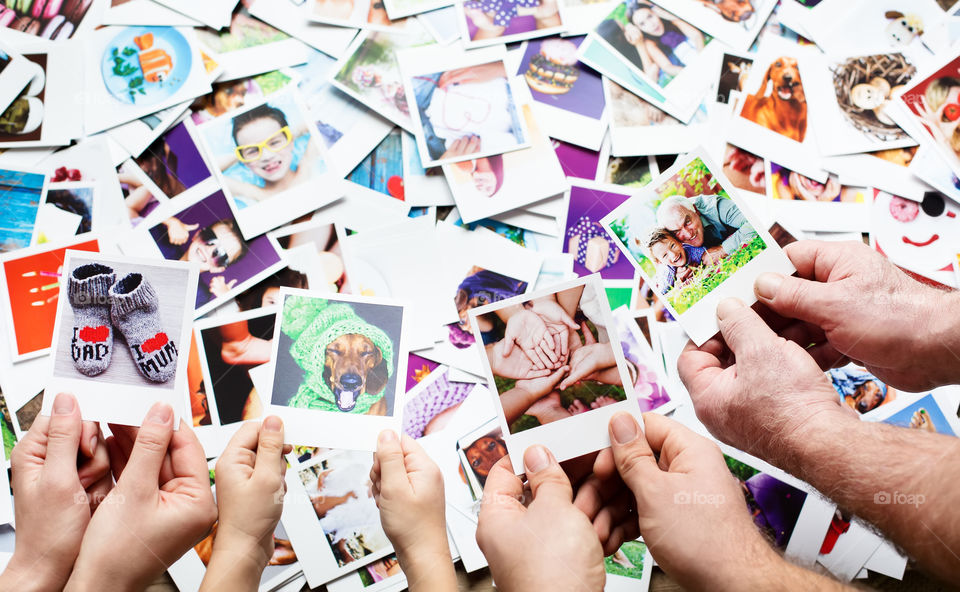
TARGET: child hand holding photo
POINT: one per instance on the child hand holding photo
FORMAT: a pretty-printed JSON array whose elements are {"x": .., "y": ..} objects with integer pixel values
[
  {"x": 408, "y": 488},
  {"x": 250, "y": 487}
]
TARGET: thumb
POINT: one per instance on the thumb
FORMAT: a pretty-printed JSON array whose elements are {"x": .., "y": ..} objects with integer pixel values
[
  {"x": 547, "y": 480},
  {"x": 631, "y": 453},
  {"x": 742, "y": 327},
  {"x": 191, "y": 226},
  {"x": 63, "y": 435},
  {"x": 568, "y": 321},
  {"x": 393, "y": 470},
  {"x": 270, "y": 447},
  {"x": 794, "y": 297}
]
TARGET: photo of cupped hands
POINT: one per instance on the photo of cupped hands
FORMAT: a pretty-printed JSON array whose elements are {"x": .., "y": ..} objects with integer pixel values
[{"x": 551, "y": 358}]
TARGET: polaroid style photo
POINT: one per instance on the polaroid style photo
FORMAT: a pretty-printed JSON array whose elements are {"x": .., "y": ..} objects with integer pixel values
[
  {"x": 293, "y": 19},
  {"x": 31, "y": 291},
  {"x": 860, "y": 390},
  {"x": 650, "y": 382},
  {"x": 734, "y": 68},
  {"x": 134, "y": 71},
  {"x": 383, "y": 575},
  {"x": 929, "y": 105},
  {"x": 173, "y": 162},
  {"x": 490, "y": 22},
  {"x": 331, "y": 516},
  {"x": 787, "y": 511},
  {"x": 581, "y": 16},
  {"x": 369, "y": 73},
  {"x": 814, "y": 206},
  {"x": 233, "y": 95},
  {"x": 326, "y": 261},
  {"x": 745, "y": 170},
  {"x": 592, "y": 249},
  {"x": 360, "y": 14},
  {"x": 200, "y": 227},
  {"x": 423, "y": 187},
  {"x": 550, "y": 404},
  {"x": 928, "y": 167},
  {"x": 212, "y": 13},
  {"x": 137, "y": 135},
  {"x": 462, "y": 104},
  {"x": 441, "y": 24},
  {"x": 885, "y": 170},
  {"x": 15, "y": 73},
  {"x": 666, "y": 51},
  {"x": 567, "y": 96},
  {"x": 29, "y": 22},
  {"x": 638, "y": 128},
  {"x": 228, "y": 346},
  {"x": 269, "y": 163},
  {"x": 397, "y": 9},
  {"x": 691, "y": 236},
  {"x": 849, "y": 97},
  {"x": 597, "y": 53},
  {"x": 41, "y": 115},
  {"x": 772, "y": 119},
  {"x": 21, "y": 194},
  {"x": 736, "y": 23},
  {"x": 629, "y": 568},
  {"x": 490, "y": 185},
  {"x": 893, "y": 25},
  {"x": 119, "y": 334},
  {"x": 339, "y": 361},
  {"x": 931, "y": 412},
  {"x": 478, "y": 451},
  {"x": 250, "y": 46},
  {"x": 347, "y": 129},
  {"x": 139, "y": 195},
  {"x": 432, "y": 402},
  {"x": 139, "y": 12},
  {"x": 920, "y": 237}
]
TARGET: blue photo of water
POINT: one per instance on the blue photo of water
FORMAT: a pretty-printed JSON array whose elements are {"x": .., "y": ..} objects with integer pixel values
[{"x": 20, "y": 194}]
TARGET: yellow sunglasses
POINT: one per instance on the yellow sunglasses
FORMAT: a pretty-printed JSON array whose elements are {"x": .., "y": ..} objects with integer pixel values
[{"x": 275, "y": 143}]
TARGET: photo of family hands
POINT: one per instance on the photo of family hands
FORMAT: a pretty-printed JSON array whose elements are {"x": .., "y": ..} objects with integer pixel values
[{"x": 551, "y": 358}]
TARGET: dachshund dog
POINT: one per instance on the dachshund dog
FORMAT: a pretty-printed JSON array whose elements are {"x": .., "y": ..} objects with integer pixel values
[
  {"x": 735, "y": 11},
  {"x": 784, "y": 111},
  {"x": 352, "y": 365}
]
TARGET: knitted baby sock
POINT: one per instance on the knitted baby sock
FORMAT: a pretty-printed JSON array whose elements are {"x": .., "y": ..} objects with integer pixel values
[
  {"x": 134, "y": 312},
  {"x": 92, "y": 343}
]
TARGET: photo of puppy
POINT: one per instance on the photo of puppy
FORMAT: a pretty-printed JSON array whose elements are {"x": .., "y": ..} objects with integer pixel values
[
  {"x": 780, "y": 103},
  {"x": 735, "y": 11},
  {"x": 354, "y": 365}
]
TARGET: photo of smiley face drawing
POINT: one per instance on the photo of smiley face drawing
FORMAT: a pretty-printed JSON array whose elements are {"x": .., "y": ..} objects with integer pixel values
[{"x": 922, "y": 237}]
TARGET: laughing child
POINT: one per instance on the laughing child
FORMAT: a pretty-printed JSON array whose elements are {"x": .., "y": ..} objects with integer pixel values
[{"x": 675, "y": 259}]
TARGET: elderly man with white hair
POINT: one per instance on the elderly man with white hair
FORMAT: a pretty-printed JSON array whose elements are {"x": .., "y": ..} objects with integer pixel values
[{"x": 708, "y": 221}]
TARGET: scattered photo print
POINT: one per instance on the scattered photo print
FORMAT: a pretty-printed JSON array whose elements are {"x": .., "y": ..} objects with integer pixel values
[
  {"x": 733, "y": 75},
  {"x": 173, "y": 162},
  {"x": 22, "y": 121},
  {"x": 628, "y": 561},
  {"x": 592, "y": 248},
  {"x": 207, "y": 234},
  {"x": 860, "y": 390},
  {"x": 774, "y": 505},
  {"x": 340, "y": 490},
  {"x": 864, "y": 87},
  {"x": 924, "y": 414},
  {"x": 54, "y": 22},
  {"x": 479, "y": 451},
  {"x": 933, "y": 103},
  {"x": 479, "y": 288},
  {"x": 430, "y": 407},
  {"x": 500, "y": 21},
  {"x": 647, "y": 382},
  {"x": 21, "y": 193},
  {"x": 789, "y": 185},
  {"x": 746, "y": 170}
]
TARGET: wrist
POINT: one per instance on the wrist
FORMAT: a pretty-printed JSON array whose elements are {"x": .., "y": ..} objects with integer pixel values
[
  {"x": 26, "y": 575},
  {"x": 799, "y": 451},
  {"x": 424, "y": 558},
  {"x": 943, "y": 339}
]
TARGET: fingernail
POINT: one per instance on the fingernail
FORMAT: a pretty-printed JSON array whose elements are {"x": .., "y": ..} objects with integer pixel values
[
  {"x": 64, "y": 404},
  {"x": 387, "y": 436},
  {"x": 624, "y": 428},
  {"x": 93, "y": 445},
  {"x": 767, "y": 285},
  {"x": 272, "y": 424},
  {"x": 536, "y": 459},
  {"x": 160, "y": 413},
  {"x": 728, "y": 306}
]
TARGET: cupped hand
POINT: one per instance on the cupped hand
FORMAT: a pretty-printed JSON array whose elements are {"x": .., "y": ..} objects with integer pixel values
[
  {"x": 587, "y": 361},
  {"x": 61, "y": 471},
  {"x": 756, "y": 390},
  {"x": 529, "y": 332},
  {"x": 547, "y": 544},
  {"x": 513, "y": 365},
  {"x": 690, "y": 508},
  {"x": 856, "y": 304},
  {"x": 160, "y": 507}
]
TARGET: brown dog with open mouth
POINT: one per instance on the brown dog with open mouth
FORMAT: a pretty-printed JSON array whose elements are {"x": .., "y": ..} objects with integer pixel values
[
  {"x": 784, "y": 110},
  {"x": 735, "y": 11},
  {"x": 354, "y": 365}
]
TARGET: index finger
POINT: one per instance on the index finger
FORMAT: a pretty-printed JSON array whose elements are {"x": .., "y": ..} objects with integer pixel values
[
  {"x": 186, "y": 455},
  {"x": 698, "y": 368}
]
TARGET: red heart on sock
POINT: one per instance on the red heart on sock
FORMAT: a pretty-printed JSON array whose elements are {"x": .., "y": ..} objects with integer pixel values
[
  {"x": 94, "y": 334},
  {"x": 154, "y": 343}
]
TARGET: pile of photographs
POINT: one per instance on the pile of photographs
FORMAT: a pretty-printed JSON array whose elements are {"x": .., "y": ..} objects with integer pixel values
[{"x": 496, "y": 222}]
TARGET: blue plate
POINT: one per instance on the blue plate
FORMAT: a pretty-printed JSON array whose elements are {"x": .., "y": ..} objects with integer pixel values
[{"x": 125, "y": 80}]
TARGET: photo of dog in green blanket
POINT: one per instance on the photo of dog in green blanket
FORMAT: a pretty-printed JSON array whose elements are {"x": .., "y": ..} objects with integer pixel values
[{"x": 337, "y": 356}]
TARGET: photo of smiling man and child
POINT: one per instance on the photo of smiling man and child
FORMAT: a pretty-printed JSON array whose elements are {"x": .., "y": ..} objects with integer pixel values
[
  {"x": 550, "y": 356},
  {"x": 268, "y": 161},
  {"x": 688, "y": 235}
]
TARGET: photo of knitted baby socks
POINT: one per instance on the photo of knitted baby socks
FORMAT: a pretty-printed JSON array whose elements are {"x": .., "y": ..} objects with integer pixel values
[
  {"x": 134, "y": 310},
  {"x": 92, "y": 342}
]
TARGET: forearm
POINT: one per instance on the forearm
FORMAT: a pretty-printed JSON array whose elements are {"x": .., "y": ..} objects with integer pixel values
[
  {"x": 515, "y": 402},
  {"x": 30, "y": 576},
  {"x": 901, "y": 480},
  {"x": 231, "y": 569},
  {"x": 778, "y": 574},
  {"x": 944, "y": 342},
  {"x": 429, "y": 569}
]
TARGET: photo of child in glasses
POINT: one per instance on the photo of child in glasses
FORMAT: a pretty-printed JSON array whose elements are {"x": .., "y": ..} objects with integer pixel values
[
  {"x": 268, "y": 160},
  {"x": 207, "y": 234}
]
